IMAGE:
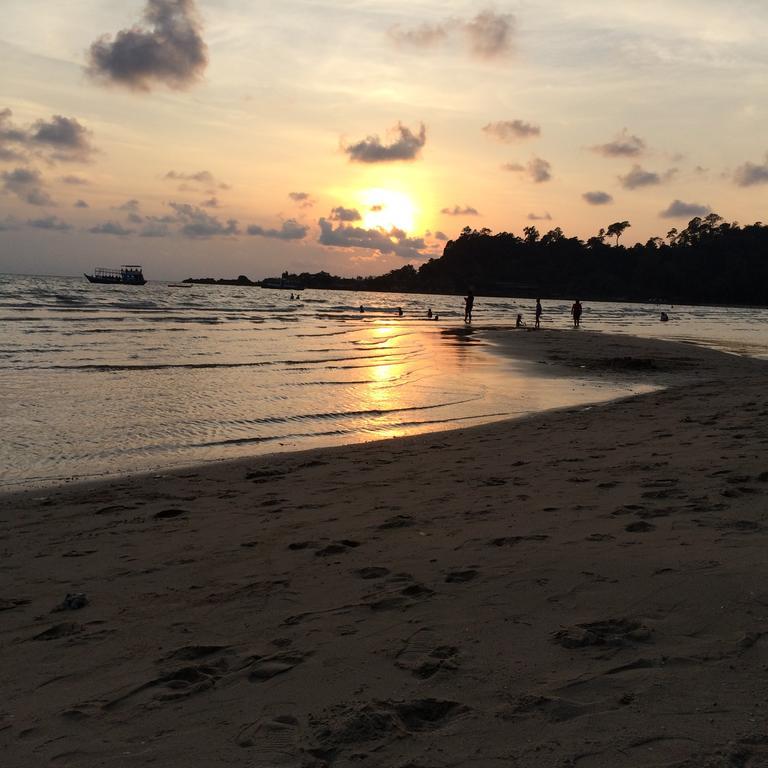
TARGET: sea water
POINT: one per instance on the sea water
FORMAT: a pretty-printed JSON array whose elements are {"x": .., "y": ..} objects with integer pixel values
[{"x": 102, "y": 379}]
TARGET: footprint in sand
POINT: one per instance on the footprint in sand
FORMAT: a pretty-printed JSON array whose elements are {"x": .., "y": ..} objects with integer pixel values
[
  {"x": 271, "y": 666},
  {"x": 276, "y": 742},
  {"x": 610, "y": 632},
  {"x": 424, "y": 655},
  {"x": 337, "y": 547},
  {"x": 461, "y": 576}
]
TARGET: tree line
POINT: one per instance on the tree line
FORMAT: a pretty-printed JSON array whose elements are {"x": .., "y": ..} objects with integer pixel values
[{"x": 711, "y": 261}]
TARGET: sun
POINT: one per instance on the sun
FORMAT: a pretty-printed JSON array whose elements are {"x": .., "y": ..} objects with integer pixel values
[{"x": 386, "y": 208}]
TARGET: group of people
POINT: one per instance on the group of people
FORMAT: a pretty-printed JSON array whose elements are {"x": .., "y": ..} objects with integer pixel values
[{"x": 576, "y": 312}]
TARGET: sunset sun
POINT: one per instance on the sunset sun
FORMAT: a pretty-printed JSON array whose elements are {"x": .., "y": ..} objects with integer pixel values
[{"x": 386, "y": 208}]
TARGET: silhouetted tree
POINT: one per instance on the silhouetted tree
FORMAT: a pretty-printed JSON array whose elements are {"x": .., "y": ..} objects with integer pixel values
[{"x": 617, "y": 229}]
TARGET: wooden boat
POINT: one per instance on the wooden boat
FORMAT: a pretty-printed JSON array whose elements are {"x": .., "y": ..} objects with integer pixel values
[{"x": 128, "y": 274}]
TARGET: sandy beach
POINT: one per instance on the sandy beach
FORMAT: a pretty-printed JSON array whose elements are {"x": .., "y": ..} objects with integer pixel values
[{"x": 586, "y": 587}]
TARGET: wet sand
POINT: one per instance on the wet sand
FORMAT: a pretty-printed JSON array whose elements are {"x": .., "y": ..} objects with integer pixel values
[{"x": 586, "y": 587}]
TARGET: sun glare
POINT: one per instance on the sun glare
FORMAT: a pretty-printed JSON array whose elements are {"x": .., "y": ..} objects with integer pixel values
[{"x": 385, "y": 209}]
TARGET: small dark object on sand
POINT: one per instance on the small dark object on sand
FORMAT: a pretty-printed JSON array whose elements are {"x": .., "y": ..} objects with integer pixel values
[{"x": 72, "y": 602}]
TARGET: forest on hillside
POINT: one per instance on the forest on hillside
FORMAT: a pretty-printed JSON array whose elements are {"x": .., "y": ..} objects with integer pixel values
[{"x": 711, "y": 261}]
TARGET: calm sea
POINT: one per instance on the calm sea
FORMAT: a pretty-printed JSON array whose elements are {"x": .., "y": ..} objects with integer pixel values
[{"x": 99, "y": 379}]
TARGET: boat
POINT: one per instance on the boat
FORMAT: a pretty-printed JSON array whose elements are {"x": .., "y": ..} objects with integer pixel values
[
  {"x": 279, "y": 282},
  {"x": 128, "y": 274}
]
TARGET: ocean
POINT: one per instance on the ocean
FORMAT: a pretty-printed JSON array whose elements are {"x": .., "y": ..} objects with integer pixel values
[{"x": 104, "y": 379}]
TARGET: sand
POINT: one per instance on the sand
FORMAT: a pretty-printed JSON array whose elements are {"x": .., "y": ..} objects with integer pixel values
[{"x": 586, "y": 587}]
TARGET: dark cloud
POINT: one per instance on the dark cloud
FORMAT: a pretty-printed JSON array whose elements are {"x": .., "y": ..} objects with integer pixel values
[
  {"x": 511, "y": 130},
  {"x": 490, "y": 34},
  {"x": 406, "y": 146},
  {"x": 170, "y": 51},
  {"x": 303, "y": 199},
  {"x": 9, "y": 134},
  {"x": 539, "y": 216},
  {"x": 751, "y": 174},
  {"x": 204, "y": 177},
  {"x": 395, "y": 241},
  {"x": 290, "y": 230},
  {"x": 196, "y": 223},
  {"x": 457, "y": 210},
  {"x": 597, "y": 198},
  {"x": 345, "y": 214},
  {"x": 440, "y": 235},
  {"x": 538, "y": 169},
  {"x": 624, "y": 145},
  {"x": 64, "y": 138},
  {"x": 74, "y": 180},
  {"x": 81, "y": 204},
  {"x": 27, "y": 184},
  {"x": 638, "y": 177},
  {"x": 135, "y": 218},
  {"x": 128, "y": 205},
  {"x": 211, "y": 202},
  {"x": 9, "y": 223},
  {"x": 110, "y": 228},
  {"x": 423, "y": 36},
  {"x": 155, "y": 228},
  {"x": 49, "y": 222},
  {"x": 680, "y": 210}
]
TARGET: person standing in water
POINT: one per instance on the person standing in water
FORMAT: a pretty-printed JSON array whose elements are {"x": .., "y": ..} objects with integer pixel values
[
  {"x": 576, "y": 310},
  {"x": 469, "y": 303},
  {"x": 537, "y": 324}
]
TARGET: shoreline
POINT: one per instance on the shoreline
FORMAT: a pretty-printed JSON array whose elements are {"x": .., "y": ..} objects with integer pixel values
[
  {"x": 548, "y": 351},
  {"x": 577, "y": 587}
]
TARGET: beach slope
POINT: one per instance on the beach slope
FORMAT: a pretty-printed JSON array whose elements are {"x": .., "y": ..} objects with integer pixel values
[{"x": 586, "y": 587}]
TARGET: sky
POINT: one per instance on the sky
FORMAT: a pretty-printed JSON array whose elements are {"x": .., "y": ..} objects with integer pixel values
[{"x": 225, "y": 137}]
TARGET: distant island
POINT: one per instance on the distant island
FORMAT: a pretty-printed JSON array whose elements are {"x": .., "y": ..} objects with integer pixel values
[{"x": 711, "y": 261}]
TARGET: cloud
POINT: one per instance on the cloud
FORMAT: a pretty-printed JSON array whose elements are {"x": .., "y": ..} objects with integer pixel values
[
  {"x": 9, "y": 223},
  {"x": 196, "y": 223},
  {"x": 135, "y": 218},
  {"x": 339, "y": 213},
  {"x": 290, "y": 230},
  {"x": 64, "y": 137},
  {"x": 680, "y": 210},
  {"x": 9, "y": 134},
  {"x": 511, "y": 130},
  {"x": 395, "y": 241},
  {"x": 751, "y": 174},
  {"x": 538, "y": 169},
  {"x": 81, "y": 204},
  {"x": 406, "y": 145},
  {"x": 204, "y": 177},
  {"x": 211, "y": 202},
  {"x": 597, "y": 198},
  {"x": 424, "y": 36},
  {"x": 49, "y": 222},
  {"x": 110, "y": 228},
  {"x": 74, "y": 180},
  {"x": 467, "y": 210},
  {"x": 303, "y": 199},
  {"x": 170, "y": 51},
  {"x": 539, "y": 217},
  {"x": 27, "y": 185},
  {"x": 624, "y": 145},
  {"x": 490, "y": 34},
  {"x": 128, "y": 205},
  {"x": 155, "y": 228},
  {"x": 440, "y": 235},
  {"x": 637, "y": 177}
]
